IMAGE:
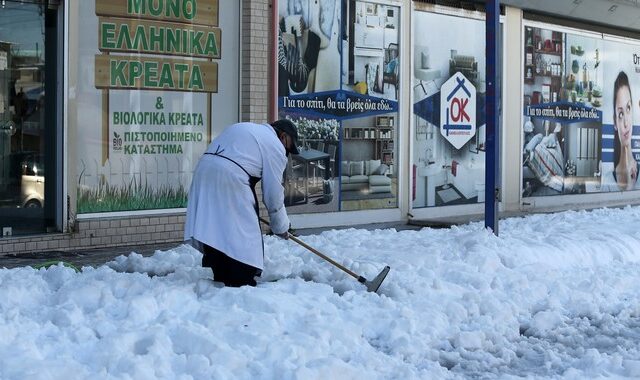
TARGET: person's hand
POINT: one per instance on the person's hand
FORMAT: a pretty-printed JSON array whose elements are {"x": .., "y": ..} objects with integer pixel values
[{"x": 284, "y": 235}]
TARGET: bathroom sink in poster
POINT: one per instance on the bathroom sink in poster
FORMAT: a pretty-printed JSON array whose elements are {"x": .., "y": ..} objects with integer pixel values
[{"x": 448, "y": 84}]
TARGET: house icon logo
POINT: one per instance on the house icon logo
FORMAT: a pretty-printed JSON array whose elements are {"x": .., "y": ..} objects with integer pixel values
[{"x": 458, "y": 110}]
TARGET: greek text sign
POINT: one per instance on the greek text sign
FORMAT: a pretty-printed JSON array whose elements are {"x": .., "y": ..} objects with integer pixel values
[
  {"x": 458, "y": 110},
  {"x": 155, "y": 73},
  {"x": 156, "y": 37},
  {"x": 141, "y": 27},
  {"x": 203, "y": 12}
]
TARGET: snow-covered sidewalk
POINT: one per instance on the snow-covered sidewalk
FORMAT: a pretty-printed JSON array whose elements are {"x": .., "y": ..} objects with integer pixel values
[{"x": 554, "y": 296}]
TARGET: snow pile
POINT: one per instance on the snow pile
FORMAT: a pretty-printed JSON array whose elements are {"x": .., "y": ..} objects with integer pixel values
[{"x": 555, "y": 296}]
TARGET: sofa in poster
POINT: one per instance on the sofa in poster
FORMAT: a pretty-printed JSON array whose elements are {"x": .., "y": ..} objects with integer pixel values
[{"x": 367, "y": 164}]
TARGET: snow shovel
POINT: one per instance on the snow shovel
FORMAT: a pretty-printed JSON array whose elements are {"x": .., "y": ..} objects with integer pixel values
[{"x": 372, "y": 286}]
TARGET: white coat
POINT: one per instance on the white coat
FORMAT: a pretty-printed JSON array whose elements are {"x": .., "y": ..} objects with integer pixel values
[{"x": 221, "y": 206}]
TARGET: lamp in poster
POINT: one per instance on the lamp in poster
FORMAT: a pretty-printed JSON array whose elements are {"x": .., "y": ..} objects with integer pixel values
[
  {"x": 449, "y": 98},
  {"x": 340, "y": 86},
  {"x": 153, "y": 77}
]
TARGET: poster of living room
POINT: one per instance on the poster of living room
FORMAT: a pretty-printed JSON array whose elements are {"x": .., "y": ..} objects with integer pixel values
[{"x": 368, "y": 177}]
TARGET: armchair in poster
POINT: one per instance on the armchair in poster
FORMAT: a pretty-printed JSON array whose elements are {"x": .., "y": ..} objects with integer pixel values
[
  {"x": 449, "y": 86},
  {"x": 338, "y": 80},
  {"x": 580, "y": 114}
]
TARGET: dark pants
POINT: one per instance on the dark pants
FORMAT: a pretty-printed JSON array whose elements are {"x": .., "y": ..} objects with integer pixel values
[{"x": 227, "y": 270}]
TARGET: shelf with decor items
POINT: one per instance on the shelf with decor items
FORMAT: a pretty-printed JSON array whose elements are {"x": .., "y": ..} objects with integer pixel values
[
  {"x": 542, "y": 57},
  {"x": 359, "y": 133},
  {"x": 384, "y": 139},
  {"x": 385, "y": 121},
  {"x": 529, "y": 64},
  {"x": 550, "y": 52}
]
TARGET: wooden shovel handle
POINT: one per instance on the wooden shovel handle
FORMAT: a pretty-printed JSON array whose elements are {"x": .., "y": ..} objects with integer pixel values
[
  {"x": 310, "y": 248},
  {"x": 322, "y": 255}
]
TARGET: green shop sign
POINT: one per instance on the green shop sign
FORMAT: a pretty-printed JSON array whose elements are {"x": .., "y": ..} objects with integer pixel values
[
  {"x": 155, "y": 73},
  {"x": 202, "y": 12},
  {"x": 158, "y": 38}
]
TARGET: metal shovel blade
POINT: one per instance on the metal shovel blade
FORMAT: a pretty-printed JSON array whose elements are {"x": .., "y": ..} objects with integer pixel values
[{"x": 374, "y": 285}]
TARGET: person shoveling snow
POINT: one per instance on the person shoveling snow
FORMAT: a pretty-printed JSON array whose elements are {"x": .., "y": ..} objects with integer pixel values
[{"x": 222, "y": 208}]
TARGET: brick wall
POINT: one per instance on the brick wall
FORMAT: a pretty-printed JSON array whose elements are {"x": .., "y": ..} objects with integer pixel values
[
  {"x": 102, "y": 233},
  {"x": 255, "y": 67},
  {"x": 255, "y": 59}
]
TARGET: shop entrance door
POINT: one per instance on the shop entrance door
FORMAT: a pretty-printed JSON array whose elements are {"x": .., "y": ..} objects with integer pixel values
[{"x": 28, "y": 122}]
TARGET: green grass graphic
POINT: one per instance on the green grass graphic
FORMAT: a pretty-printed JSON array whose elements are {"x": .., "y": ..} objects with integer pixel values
[{"x": 108, "y": 198}]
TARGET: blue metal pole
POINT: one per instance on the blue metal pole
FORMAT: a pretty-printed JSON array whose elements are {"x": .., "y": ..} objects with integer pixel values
[{"x": 492, "y": 168}]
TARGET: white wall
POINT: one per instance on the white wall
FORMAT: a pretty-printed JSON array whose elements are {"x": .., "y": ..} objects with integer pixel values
[{"x": 511, "y": 136}]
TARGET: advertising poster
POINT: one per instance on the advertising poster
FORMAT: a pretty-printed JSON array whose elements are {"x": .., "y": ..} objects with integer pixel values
[
  {"x": 449, "y": 86},
  {"x": 620, "y": 158},
  {"x": 338, "y": 80},
  {"x": 581, "y": 115},
  {"x": 563, "y": 102},
  {"x": 148, "y": 94}
]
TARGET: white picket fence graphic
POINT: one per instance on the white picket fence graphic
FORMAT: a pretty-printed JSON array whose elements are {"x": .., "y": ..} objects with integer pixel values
[{"x": 154, "y": 172}]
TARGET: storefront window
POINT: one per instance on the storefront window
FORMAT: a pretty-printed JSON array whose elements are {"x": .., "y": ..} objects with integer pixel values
[
  {"x": 580, "y": 114},
  {"x": 449, "y": 88},
  {"x": 25, "y": 119},
  {"x": 339, "y": 81},
  {"x": 151, "y": 82}
]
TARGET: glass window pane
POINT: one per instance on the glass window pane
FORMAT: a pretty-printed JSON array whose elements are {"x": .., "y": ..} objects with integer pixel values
[{"x": 22, "y": 116}]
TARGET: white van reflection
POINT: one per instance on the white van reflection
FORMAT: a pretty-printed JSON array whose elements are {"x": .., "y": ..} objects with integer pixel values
[{"x": 32, "y": 184}]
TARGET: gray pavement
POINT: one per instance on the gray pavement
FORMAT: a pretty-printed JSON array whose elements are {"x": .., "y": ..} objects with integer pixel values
[
  {"x": 80, "y": 258},
  {"x": 97, "y": 257}
]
